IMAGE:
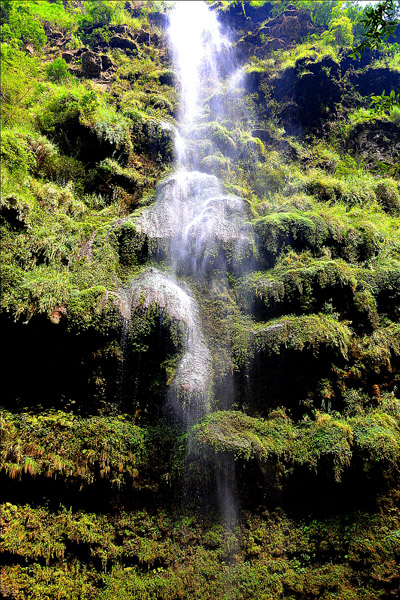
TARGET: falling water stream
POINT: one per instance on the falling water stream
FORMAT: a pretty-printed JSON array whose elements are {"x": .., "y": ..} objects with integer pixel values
[{"x": 193, "y": 220}]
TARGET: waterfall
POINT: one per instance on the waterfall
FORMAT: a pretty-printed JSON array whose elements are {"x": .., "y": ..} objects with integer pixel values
[
  {"x": 200, "y": 55},
  {"x": 193, "y": 222},
  {"x": 196, "y": 227}
]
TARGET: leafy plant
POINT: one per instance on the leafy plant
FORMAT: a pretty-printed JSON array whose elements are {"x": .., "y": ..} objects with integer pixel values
[
  {"x": 381, "y": 22},
  {"x": 57, "y": 70},
  {"x": 21, "y": 26}
]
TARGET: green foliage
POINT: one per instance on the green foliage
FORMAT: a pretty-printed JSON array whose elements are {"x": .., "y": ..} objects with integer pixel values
[
  {"x": 306, "y": 333},
  {"x": 97, "y": 14},
  {"x": 385, "y": 103},
  {"x": 327, "y": 292},
  {"x": 16, "y": 153},
  {"x": 178, "y": 555},
  {"x": 321, "y": 12},
  {"x": 387, "y": 192},
  {"x": 308, "y": 52},
  {"x": 63, "y": 445},
  {"x": 340, "y": 30},
  {"x": 19, "y": 85},
  {"x": 357, "y": 188},
  {"x": 57, "y": 70},
  {"x": 379, "y": 24},
  {"x": 55, "y": 13},
  {"x": 374, "y": 436},
  {"x": 21, "y": 26},
  {"x": 300, "y": 280}
]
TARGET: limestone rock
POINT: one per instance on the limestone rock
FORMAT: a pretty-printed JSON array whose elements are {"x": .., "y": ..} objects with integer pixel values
[
  {"x": 106, "y": 62},
  {"x": 68, "y": 56},
  {"x": 123, "y": 43},
  {"x": 91, "y": 64}
]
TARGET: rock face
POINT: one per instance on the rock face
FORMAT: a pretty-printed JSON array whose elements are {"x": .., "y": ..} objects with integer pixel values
[
  {"x": 196, "y": 222},
  {"x": 284, "y": 31},
  {"x": 91, "y": 65},
  {"x": 274, "y": 331},
  {"x": 68, "y": 56},
  {"x": 375, "y": 141},
  {"x": 383, "y": 79},
  {"x": 193, "y": 375},
  {"x": 289, "y": 28}
]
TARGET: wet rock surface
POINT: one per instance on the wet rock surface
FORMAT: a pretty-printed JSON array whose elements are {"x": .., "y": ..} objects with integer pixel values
[
  {"x": 284, "y": 31},
  {"x": 193, "y": 375},
  {"x": 195, "y": 220}
]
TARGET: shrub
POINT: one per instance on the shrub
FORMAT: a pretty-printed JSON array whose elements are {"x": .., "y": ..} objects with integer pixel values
[
  {"x": 16, "y": 152},
  {"x": 98, "y": 14},
  {"x": 57, "y": 70},
  {"x": 54, "y": 12},
  {"x": 19, "y": 83},
  {"x": 340, "y": 29},
  {"x": 372, "y": 435},
  {"x": 22, "y": 26},
  {"x": 64, "y": 445},
  {"x": 388, "y": 195}
]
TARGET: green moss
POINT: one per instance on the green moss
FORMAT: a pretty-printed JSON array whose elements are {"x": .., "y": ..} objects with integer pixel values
[
  {"x": 377, "y": 437},
  {"x": 376, "y": 351},
  {"x": 280, "y": 229},
  {"x": 388, "y": 195},
  {"x": 311, "y": 333},
  {"x": 300, "y": 280},
  {"x": 245, "y": 437},
  {"x": 66, "y": 446},
  {"x": 356, "y": 235},
  {"x": 374, "y": 436},
  {"x": 352, "y": 190},
  {"x": 278, "y": 554}
]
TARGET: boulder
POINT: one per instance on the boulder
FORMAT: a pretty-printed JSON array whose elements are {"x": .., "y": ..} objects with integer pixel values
[
  {"x": 68, "y": 56},
  {"x": 168, "y": 77},
  {"x": 159, "y": 19},
  {"x": 78, "y": 53},
  {"x": 91, "y": 65},
  {"x": 118, "y": 29},
  {"x": 106, "y": 62},
  {"x": 123, "y": 43},
  {"x": 375, "y": 141},
  {"x": 291, "y": 26},
  {"x": 374, "y": 82}
]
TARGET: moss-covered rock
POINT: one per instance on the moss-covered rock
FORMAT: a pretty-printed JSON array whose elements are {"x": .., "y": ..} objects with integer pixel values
[{"x": 322, "y": 442}]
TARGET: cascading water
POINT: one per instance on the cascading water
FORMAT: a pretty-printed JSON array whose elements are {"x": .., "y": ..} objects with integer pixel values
[
  {"x": 196, "y": 228},
  {"x": 199, "y": 52},
  {"x": 192, "y": 219},
  {"x": 189, "y": 392}
]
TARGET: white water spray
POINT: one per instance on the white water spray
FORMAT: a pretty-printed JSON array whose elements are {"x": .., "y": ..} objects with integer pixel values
[
  {"x": 197, "y": 44},
  {"x": 196, "y": 227},
  {"x": 193, "y": 222}
]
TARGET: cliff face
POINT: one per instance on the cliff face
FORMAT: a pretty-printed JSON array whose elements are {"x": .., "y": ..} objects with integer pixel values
[{"x": 106, "y": 491}]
